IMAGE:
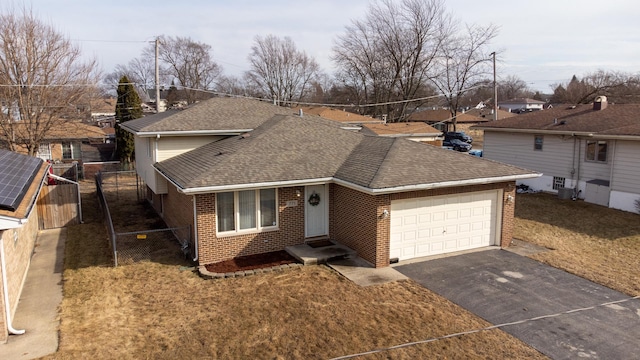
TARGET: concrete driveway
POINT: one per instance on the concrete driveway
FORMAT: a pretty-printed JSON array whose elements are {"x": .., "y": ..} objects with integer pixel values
[{"x": 502, "y": 287}]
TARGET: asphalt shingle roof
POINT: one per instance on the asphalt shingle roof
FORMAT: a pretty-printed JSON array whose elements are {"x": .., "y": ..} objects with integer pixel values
[
  {"x": 213, "y": 114},
  {"x": 615, "y": 119},
  {"x": 289, "y": 148}
]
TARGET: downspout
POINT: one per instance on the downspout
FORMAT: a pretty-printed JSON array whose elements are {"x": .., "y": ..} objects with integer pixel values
[
  {"x": 7, "y": 306},
  {"x": 195, "y": 229},
  {"x": 576, "y": 190},
  {"x": 573, "y": 163},
  {"x": 613, "y": 159}
]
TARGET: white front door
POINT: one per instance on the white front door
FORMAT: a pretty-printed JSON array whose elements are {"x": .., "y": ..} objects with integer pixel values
[{"x": 316, "y": 208}]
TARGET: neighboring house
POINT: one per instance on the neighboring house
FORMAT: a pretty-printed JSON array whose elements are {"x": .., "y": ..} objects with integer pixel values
[
  {"x": 442, "y": 120},
  {"x": 521, "y": 105},
  {"x": 70, "y": 142},
  {"x": 250, "y": 177},
  {"x": 21, "y": 179},
  {"x": 590, "y": 149},
  {"x": 415, "y": 131},
  {"x": 103, "y": 112},
  {"x": 342, "y": 116},
  {"x": 487, "y": 114}
]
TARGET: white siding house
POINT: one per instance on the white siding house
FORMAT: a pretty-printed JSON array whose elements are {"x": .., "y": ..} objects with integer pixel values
[{"x": 592, "y": 151}]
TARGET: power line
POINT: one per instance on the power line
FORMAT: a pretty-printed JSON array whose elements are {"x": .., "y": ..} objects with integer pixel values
[{"x": 492, "y": 327}]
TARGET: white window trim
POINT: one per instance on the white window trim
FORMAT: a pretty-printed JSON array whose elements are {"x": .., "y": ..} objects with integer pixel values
[
  {"x": 72, "y": 145},
  {"x": 47, "y": 151},
  {"x": 236, "y": 216}
]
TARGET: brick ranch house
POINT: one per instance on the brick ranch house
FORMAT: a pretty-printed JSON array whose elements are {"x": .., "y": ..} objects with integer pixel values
[{"x": 250, "y": 177}]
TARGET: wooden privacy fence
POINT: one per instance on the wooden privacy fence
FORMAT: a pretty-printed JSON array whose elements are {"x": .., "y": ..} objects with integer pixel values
[{"x": 58, "y": 206}]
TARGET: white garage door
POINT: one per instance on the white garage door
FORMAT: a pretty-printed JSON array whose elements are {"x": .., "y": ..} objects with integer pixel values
[{"x": 441, "y": 224}]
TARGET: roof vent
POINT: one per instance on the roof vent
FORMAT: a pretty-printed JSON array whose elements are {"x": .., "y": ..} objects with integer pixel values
[{"x": 600, "y": 103}]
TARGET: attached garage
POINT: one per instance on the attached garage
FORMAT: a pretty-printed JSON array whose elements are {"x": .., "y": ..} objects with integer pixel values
[{"x": 441, "y": 224}]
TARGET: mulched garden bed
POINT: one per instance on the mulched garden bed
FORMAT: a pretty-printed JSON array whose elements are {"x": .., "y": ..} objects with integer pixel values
[{"x": 252, "y": 262}]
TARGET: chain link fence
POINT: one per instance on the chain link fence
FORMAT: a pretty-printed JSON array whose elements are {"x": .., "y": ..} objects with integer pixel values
[{"x": 136, "y": 232}]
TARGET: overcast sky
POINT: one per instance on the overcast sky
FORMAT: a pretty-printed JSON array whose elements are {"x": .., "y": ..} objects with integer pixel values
[{"x": 542, "y": 42}]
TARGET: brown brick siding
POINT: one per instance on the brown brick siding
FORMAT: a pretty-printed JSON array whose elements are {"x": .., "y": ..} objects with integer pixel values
[
  {"x": 357, "y": 218},
  {"x": 178, "y": 208},
  {"x": 508, "y": 214},
  {"x": 214, "y": 249},
  {"x": 357, "y": 223},
  {"x": 17, "y": 256}
]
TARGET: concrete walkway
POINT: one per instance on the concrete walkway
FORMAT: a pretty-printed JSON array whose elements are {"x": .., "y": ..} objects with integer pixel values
[{"x": 37, "y": 311}]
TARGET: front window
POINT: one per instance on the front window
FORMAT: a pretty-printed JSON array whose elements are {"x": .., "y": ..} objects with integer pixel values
[
  {"x": 596, "y": 151},
  {"x": 537, "y": 142},
  {"x": 70, "y": 150},
  {"x": 246, "y": 210}
]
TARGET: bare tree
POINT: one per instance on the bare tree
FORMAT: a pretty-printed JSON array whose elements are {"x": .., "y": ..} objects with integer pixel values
[
  {"x": 188, "y": 61},
  {"x": 621, "y": 87},
  {"x": 513, "y": 87},
  {"x": 280, "y": 70},
  {"x": 463, "y": 62},
  {"x": 140, "y": 71},
  {"x": 389, "y": 56},
  {"x": 43, "y": 79}
]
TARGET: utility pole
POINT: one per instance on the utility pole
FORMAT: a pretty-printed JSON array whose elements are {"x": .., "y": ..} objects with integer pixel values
[
  {"x": 158, "y": 76},
  {"x": 495, "y": 89}
]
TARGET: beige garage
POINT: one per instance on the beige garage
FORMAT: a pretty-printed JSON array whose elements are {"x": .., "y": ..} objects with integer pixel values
[{"x": 441, "y": 224}]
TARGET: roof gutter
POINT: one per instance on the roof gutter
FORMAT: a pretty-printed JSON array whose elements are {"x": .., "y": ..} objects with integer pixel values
[
  {"x": 535, "y": 131},
  {"x": 231, "y": 132},
  {"x": 618, "y": 137},
  {"x": 445, "y": 184},
  {"x": 305, "y": 182},
  {"x": 265, "y": 185}
]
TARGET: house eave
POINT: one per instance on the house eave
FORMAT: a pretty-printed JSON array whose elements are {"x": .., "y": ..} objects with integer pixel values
[
  {"x": 536, "y": 131},
  {"x": 438, "y": 185},
  {"x": 316, "y": 181},
  {"x": 146, "y": 134},
  {"x": 7, "y": 222}
]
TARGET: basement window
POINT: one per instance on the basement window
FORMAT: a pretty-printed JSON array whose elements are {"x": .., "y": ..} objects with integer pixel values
[{"x": 558, "y": 182}]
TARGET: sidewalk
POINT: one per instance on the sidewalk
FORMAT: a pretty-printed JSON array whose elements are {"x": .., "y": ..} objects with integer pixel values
[{"x": 37, "y": 311}]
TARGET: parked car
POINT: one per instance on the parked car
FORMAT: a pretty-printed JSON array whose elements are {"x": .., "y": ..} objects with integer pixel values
[
  {"x": 459, "y": 145},
  {"x": 450, "y": 135},
  {"x": 477, "y": 153}
]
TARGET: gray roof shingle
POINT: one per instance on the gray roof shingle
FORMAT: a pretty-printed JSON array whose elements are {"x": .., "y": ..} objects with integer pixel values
[
  {"x": 216, "y": 114},
  {"x": 288, "y": 148}
]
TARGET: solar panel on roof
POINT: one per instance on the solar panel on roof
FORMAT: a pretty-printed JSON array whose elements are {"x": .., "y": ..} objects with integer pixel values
[{"x": 16, "y": 174}]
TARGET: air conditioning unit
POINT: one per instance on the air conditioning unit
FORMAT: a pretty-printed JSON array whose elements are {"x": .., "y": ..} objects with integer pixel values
[{"x": 565, "y": 193}]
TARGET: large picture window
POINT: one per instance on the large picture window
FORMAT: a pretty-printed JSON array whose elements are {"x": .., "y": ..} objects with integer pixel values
[
  {"x": 246, "y": 210},
  {"x": 596, "y": 151}
]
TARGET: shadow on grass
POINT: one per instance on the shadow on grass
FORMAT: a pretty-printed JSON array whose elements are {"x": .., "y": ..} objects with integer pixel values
[{"x": 578, "y": 216}]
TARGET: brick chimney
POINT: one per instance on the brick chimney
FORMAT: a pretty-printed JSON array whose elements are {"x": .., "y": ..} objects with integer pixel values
[{"x": 600, "y": 103}]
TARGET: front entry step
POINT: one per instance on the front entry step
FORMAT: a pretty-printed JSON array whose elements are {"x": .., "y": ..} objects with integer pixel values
[{"x": 308, "y": 255}]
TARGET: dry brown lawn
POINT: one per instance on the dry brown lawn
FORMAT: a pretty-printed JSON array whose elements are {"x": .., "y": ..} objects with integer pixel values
[
  {"x": 591, "y": 241},
  {"x": 160, "y": 310}
]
